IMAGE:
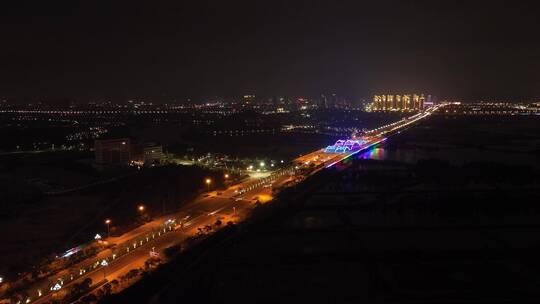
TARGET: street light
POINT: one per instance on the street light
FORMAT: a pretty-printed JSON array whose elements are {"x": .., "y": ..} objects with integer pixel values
[
  {"x": 226, "y": 175},
  {"x": 208, "y": 182},
  {"x": 108, "y": 222},
  {"x": 141, "y": 208},
  {"x": 262, "y": 164},
  {"x": 104, "y": 263}
]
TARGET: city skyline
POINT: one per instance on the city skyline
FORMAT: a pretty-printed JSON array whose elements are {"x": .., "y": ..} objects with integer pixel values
[{"x": 285, "y": 151}]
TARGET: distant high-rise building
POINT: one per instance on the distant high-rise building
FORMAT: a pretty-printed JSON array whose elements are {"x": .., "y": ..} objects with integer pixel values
[
  {"x": 334, "y": 101},
  {"x": 407, "y": 103},
  {"x": 404, "y": 102},
  {"x": 399, "y": 103},
  {"x": 249, "y": 99},
  {"x": 275, "y": 101},
  {"x": 430, "y": 101},
  {"x": 324, "y": 102}
]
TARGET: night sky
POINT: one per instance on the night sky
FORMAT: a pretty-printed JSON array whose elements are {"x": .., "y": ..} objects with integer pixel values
[{"x": 90, "y": 49}]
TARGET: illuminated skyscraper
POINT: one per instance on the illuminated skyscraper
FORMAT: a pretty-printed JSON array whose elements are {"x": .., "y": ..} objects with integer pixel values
[
  {"x": 390, "y": 102},
  {"x": 405, "y": 102},
  {"x": 249, "y": 99},
  {"x": 399, "y": 105},
  {"x": 334, "y": 100},
  {"x": 324, "y": 102}
]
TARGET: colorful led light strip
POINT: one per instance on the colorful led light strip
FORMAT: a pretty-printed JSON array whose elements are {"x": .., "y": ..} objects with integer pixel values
[{"x": 357, "y": 151}]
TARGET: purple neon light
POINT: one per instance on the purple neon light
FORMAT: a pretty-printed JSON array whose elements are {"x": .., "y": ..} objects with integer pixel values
[{"x": 357, "y": 151}]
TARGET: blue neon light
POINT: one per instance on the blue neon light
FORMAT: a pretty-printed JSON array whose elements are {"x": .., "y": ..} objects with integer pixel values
[
  {"x": 344, "y": 146},
  {"x": 357, "y": 151},
  {"x": 330, "y": 149}
]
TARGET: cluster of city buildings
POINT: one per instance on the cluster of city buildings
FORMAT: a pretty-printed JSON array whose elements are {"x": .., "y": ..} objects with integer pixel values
[
  {"x": 491, "y": 108},
  {"x": 122, "y": 152},
  {"x": 401, "y": 102},
  {"x": 284, "y": 104}
]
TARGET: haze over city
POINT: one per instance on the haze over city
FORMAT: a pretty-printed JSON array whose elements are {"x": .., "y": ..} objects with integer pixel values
[{"x": 87, "y": 49}]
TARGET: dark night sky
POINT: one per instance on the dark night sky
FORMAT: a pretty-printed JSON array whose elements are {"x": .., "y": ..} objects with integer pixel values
[{"x": 81, "y": 49}]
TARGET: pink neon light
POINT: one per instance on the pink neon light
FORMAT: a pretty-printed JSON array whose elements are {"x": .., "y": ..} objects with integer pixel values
[{"x": 357, "y": 151}]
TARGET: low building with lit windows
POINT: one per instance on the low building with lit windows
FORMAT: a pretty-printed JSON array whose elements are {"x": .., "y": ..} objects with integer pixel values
[
  {"x": 113, "y": 152},
  {"x": 124, "y": 152}
]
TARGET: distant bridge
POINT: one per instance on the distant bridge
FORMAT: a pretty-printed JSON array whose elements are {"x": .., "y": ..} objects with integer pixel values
[{"x": 345, "y": 148}]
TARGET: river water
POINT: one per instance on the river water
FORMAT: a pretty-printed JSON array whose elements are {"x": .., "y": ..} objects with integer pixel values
[{"x": 452, "y": 155}]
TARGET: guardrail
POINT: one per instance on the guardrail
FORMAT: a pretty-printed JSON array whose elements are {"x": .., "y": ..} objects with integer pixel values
[
  {"x": 273, "y": 176},
  {"x": 120, "y": 251}
]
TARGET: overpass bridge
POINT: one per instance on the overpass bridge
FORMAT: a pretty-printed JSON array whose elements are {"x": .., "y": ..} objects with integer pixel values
[
  {"x": 342, "y": 149},
  {"x": 345, "y": 148}
]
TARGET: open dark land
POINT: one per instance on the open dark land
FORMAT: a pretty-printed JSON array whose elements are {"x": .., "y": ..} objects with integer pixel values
[
  {"x": 53, "y": 201},
  {"x": 419, "y": 230}
]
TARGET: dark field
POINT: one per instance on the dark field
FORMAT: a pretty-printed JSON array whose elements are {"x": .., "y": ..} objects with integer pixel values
[
  {"x": 442, "y": 230},
  {"x": 39, "y": 225},
  {"x": 460, "y": 139}
]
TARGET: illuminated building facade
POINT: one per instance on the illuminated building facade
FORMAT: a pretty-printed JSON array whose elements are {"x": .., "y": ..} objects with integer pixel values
[
  {"x": 405, "y": 102},
  {"x": 123, "y": 152},
  {"x": 249, "y": 99},
  {"x": 116, "y": 152},
  {"x": 152, "y": 154}
]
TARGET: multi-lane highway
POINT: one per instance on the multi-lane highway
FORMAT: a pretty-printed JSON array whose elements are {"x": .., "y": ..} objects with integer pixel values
[
  {"x": 231, "y": 204},
  {"x": 134, "y": 248}
]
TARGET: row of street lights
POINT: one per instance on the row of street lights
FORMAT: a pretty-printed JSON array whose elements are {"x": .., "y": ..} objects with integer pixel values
[
  {"x": 208, "y": 181},
  {"x": 141, "y": 208},
  {"x": 108, "y": 221}
]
